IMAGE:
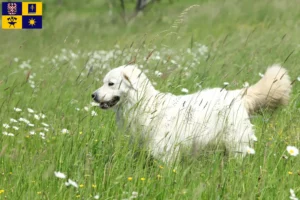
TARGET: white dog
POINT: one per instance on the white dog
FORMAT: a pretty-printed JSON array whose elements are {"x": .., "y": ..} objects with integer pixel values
[{"x": 210, "y": 116}]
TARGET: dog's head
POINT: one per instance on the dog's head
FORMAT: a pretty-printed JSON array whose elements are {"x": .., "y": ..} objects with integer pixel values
[{"x": 116, "y": 85}]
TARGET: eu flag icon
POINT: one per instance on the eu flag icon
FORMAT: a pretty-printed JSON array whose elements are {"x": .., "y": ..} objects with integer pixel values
[
  {"x": 31, "y": 22},
  {"x": 32, "y": 8}
]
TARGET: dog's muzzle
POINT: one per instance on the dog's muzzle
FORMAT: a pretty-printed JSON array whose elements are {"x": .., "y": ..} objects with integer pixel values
[
  {"x": 105, "y": 104},
  {"x": 109, "y": 104}
]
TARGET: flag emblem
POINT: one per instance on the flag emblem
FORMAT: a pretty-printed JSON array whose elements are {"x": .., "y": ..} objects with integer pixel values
[
  {"x": 22, "y": 15},
  {"x": 31, "y": 22},
  {"x": 12, "y": 8},
  {"x": 12, "y": 21},
  {"x": 31, "y": 8}
]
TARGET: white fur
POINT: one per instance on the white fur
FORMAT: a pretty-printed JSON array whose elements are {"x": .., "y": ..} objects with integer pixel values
[{"x": 168, "y": 122}]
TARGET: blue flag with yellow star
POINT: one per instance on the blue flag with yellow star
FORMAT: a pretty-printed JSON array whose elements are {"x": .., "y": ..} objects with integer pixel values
[
  {"x": 22, "y": 15},
  {"x": 31, "y": 22}
]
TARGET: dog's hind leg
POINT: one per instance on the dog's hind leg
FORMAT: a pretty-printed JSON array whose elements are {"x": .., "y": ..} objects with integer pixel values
[{"x": 239, "y": 136}]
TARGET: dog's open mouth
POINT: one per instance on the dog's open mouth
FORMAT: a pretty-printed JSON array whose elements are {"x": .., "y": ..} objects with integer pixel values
[{"x": 109, "y": 104}]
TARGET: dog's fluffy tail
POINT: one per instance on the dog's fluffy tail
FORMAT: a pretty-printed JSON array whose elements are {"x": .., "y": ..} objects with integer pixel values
[{"x": 271, "y": 91}]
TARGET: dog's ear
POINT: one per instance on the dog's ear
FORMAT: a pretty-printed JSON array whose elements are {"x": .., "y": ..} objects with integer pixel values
[{"x": 127, "y": 80}]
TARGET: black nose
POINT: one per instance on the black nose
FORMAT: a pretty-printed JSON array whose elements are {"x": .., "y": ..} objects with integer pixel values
[{"x": 95, "y": 97}]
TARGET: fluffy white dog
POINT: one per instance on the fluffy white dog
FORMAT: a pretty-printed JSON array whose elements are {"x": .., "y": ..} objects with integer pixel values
[{"x": 210, "y": 116}]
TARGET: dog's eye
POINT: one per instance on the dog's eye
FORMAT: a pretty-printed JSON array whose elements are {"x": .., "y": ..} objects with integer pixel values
[{"x": 110, "y": 84}]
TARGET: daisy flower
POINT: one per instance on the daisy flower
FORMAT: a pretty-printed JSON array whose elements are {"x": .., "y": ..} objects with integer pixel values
[
  {"x": 44, "y": 124},
  {"x": 64, "y": 131},
  {"x": 293, "y": 196},
  {"x": 158, "y": 73},
  {"x": 249, "y": 150},
  {"x": 94, "y": 104},
  {"x": 60, "y": 175},
  {"x": 86, "y": 108},
  {"x": 30, "y": 110},
  {"x": 94, "y": 113},
  {"x": 37, "y": 117},
  {"x": 8, "y": 134},
  {"x": 17, "y": 109},
  {"x": 24, "y": 120},
  {"x": 12, "y": 120},
  {"x": 42, "y": 116},
  {"x": 70, "y": 182},
  {"x": 184, "y": 90},
  {"x": 293, "y": 151},
  {"x": 6, "y": 126},
  {"x": 32, "y": 133},
  {"x": 134, "y": 195},
  {"x": 246, "y": 84}
]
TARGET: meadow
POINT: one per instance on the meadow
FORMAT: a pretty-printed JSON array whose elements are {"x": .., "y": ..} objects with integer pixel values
[{"x": 49, "y": 123}]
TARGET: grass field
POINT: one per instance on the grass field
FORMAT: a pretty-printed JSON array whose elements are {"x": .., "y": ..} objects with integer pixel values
[{"x": 53, "y": 71}]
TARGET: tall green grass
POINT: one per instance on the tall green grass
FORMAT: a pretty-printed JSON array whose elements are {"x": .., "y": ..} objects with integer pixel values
[{"x": 243, "y": 38}]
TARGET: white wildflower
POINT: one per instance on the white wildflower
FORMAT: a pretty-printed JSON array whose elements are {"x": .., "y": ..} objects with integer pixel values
[
  {"x": 12, "y": 120},
  {"x": 298, "y": 78},
  {"x": 42, "y": 135},
  {"x": 260, "y": 74},
  {"x": 42, "y": 116},
  {"x": 246, "y": 84},
  {"x": 94, "y": 113},
  {"x": 65, "y": 131},
  {"x": 24, "y": 120},
  {"x": 30, "y": 110},
  {"x": 60, "y": 175},
  {"x": 15, "y": 127},
  {"x": 203, "y": 49},
  {"x": 44, "y": 124},
  {"x": 45, "y": 129},
  {"x": 17, "y": 109},
  {"x": 293, "y": 196},
  {"x": 37, "y": 117},
  {"x": 225, "y": 83},
  {"x": 70, "y": 182},
  {"x": 184, "y": 90},
  {"x": 158, "y": 73},
  {"x": 8, "y": 134},
  {"x": 96, "y": 196},
  {"x": 6, "y": 126},
  {"x": 32, "y": 133},
  {"x": 134, "y": 195},
  {"x": 16, "y": 59},
  {"x": 293, "y": 151},
  {"x": 31, "y": 125},
  {"x": 86, "y": 108},
  {"x": 94, "y": 104},
  {"x": 250, "y": 150},
  {"x": 78, "y": 109}
]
